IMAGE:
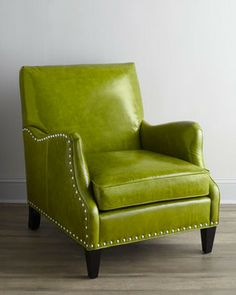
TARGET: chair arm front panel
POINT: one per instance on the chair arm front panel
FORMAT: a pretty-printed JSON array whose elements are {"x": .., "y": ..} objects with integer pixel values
[
  {"x": 182, "y": 140},
  {"x": 214, "y": 194},
  {"x": 58, "y": 184}
]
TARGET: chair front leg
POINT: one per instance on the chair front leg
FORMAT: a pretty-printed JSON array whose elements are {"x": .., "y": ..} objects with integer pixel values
[
  {"x": 34, "y": 219},
  {"x": 207, "y": 237},
  {"x": 93, "y": 262}
]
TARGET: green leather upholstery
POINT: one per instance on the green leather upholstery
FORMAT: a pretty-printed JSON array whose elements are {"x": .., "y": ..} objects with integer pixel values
[
  {"x": 89, "y": 100},
  {"x": 182, "y": 140},
  {"x": 97, "y": 170},
  {"x": 153, "y": 220},
  {"x": 128, "y": 178}
]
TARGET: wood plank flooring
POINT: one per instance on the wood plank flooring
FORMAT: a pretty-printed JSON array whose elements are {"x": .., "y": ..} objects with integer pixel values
[{"x": 48, "y": 262}]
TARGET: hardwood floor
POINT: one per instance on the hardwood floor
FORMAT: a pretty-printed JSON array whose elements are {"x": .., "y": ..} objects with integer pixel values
[{"x": 48, "y": 262}]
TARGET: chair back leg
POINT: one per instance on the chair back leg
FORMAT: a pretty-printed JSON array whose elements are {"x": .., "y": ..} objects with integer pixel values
[{"x": 34, "y": 219}]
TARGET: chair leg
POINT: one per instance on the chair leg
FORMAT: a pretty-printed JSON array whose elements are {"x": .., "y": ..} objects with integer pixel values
[
  {"x": 93, "y": 262},
  {"x": 34, "y": 219},
  {"x": 207, "y": 237}
]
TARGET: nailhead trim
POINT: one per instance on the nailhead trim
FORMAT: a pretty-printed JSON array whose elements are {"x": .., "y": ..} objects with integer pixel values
[
  {"x": 118, "y": 241},
  {"x": 155, "y": 234},
  {"x": 74, "y": 186},
  {"x": 46, "y": 137},
  {"x": 73, "y": 236}
]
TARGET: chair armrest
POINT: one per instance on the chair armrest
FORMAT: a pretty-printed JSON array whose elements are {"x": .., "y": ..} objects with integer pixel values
[
  {"x": 182, "y": 140},
  {"x": 58, "y": 183}
]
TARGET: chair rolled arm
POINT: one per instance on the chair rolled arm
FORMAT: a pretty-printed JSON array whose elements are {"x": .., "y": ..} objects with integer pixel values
[
  {"x": 182, "y": 140},
  {"x": 58, "y": 183}
]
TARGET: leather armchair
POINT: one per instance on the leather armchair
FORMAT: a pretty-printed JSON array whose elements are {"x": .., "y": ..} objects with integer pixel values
[{"x": 99, "y": 172}]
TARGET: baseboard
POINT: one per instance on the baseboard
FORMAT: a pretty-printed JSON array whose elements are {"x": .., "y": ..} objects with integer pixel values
[
  {"x": 227, "y": 188},
  {"x": 14, "y": 190}
]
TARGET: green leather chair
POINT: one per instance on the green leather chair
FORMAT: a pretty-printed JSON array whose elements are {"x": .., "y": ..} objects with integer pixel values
[{"x": 99, "y": 172}]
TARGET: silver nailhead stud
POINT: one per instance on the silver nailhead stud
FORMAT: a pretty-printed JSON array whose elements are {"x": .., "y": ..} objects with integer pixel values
[
  {"x": 167, "y": 231},
  {"x": 200, "y": 225},
  {"x": 172, "y": 230}
]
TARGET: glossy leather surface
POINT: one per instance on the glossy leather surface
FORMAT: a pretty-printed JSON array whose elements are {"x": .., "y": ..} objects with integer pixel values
[
  {"x": 129, "y": 178},
  {"x": 182, "y": 140},
  {"x": 142, "y": 222},
  {"x": 50, "y": 185},
  {"x": 73, "y": 117},
  {"x": 92, "y": 100}
]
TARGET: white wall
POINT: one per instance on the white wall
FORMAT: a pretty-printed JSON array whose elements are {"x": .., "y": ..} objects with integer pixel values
[{"x": 185, "y": 54}]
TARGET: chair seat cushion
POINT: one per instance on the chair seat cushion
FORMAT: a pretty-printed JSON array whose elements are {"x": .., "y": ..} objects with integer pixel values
[{"x": 134, "y": 177}]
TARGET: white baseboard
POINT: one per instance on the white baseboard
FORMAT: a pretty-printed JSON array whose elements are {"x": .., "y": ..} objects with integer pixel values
[
  {"x": 227, "y": 190},
  {"x": 14, "y": 190}
]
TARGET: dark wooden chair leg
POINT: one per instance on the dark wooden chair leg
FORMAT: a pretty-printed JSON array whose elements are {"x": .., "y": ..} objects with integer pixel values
[
  {"x": 207, "y": 237},
  {"x": 34, "y": 219},
  {"x": 93, "y": 262}
]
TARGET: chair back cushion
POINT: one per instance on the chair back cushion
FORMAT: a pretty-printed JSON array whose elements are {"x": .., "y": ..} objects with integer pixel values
[{"x": 100, "y": 102}]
